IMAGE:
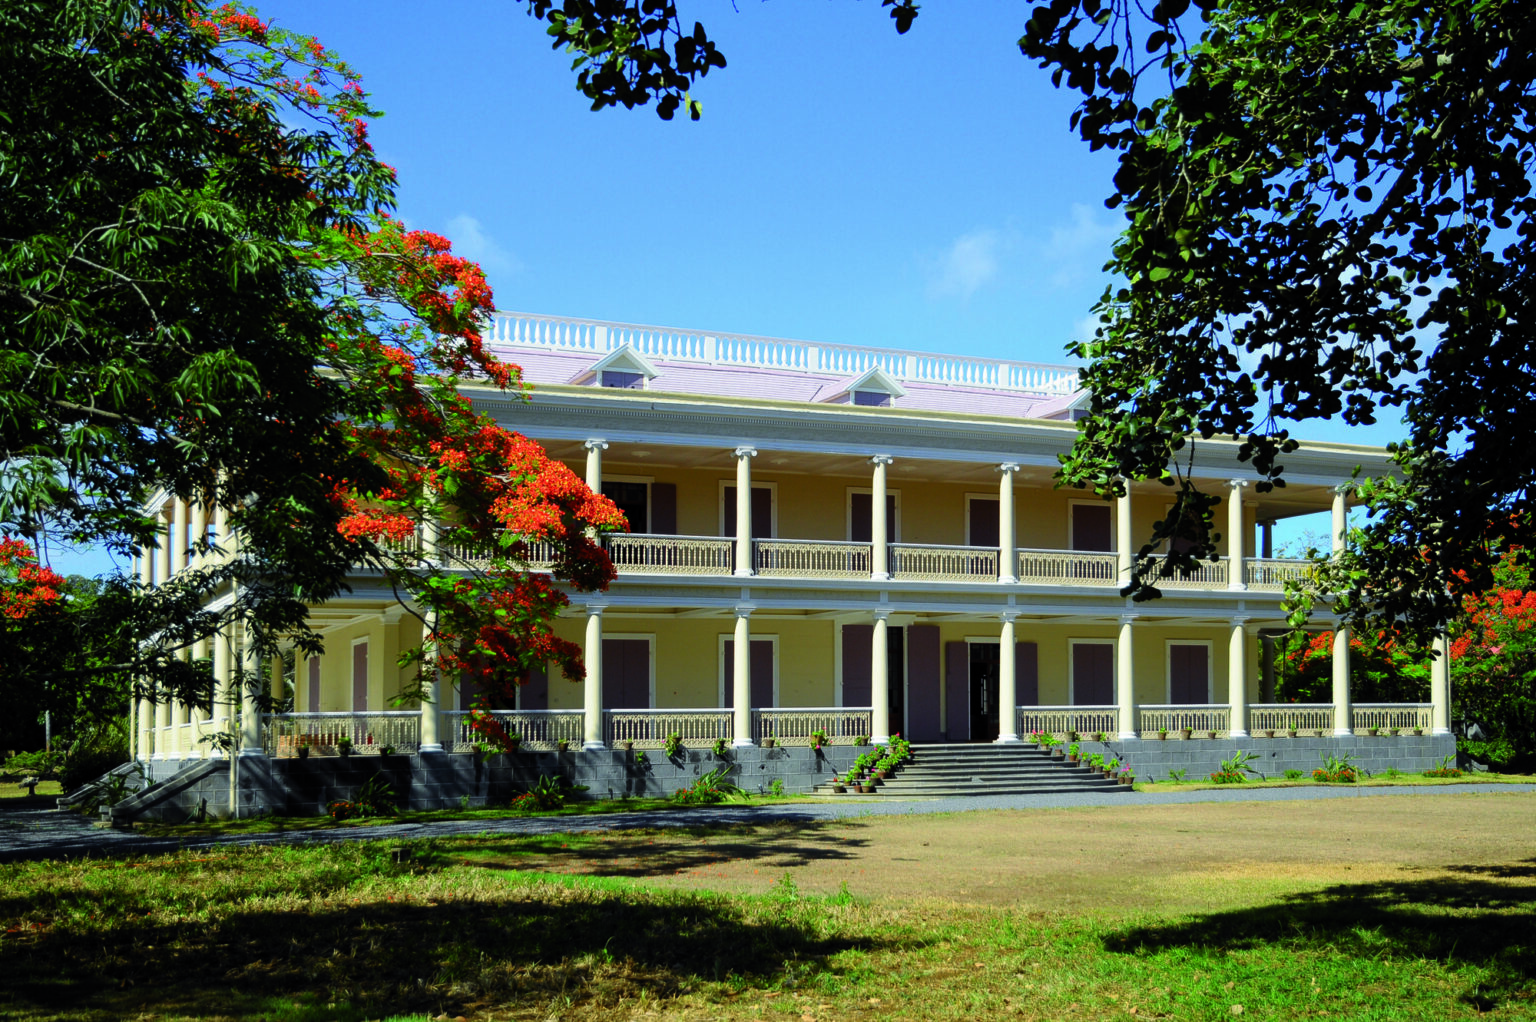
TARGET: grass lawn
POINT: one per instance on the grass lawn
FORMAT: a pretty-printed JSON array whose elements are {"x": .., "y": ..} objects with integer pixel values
[{"x": 1410, "y": 908}]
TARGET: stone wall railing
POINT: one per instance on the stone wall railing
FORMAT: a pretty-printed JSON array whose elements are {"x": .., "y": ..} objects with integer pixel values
[
  {"x": 793, "y": 725},
  {"x": 538, "y": 729},
  {"x": 322, "y": 733},
  {"x": 648, "y": 729},
  {"x": 1306, "y": 719},
  {"x": 1062, "y": 720},
  {"x": 1208, "y": 720},
  {"x": 1403, "y": 716}
]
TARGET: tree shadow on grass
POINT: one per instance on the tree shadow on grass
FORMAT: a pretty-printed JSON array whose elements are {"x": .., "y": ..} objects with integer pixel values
[
  {"x": 643, "y": 854},
  {"x": 517, "y": 946},
  {"x": 1483, "y": 916}
]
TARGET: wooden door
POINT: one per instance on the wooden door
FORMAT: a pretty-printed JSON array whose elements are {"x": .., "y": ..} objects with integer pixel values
[
  {"x": 1093, "y": 674},
  {"x": 760, "y": 657}
]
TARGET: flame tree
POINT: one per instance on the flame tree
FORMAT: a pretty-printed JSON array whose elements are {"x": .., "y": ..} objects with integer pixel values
[{"x": 205, "y": 295}]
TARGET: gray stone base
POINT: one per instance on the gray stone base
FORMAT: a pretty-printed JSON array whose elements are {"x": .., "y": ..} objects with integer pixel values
[
  {"x": 1152, "y": 759},
  {"x": 300, "y": 787}
]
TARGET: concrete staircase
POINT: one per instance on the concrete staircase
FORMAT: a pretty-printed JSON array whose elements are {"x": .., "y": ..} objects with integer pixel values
[{"x": 946, "y": 771}]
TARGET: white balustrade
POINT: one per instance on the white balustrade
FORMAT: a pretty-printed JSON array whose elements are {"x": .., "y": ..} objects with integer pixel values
[
  {"x": 811, "y": 558},
  {"x": 648, "y": 729},
  {"x": 537, "y": 729},
  {"x": 1385, "y": 716},
  {"x": 596, "y": 337},
  {"x": 793, "y": 725},
  {"x": 671, "y": 555},
  {"x": 1061, "y": 721},
  {"x": 1068, "y": 567},
  {"x": 1308, "y": 720},
  {"x": 927, "y": 562},
  {"x": 286, "y": 733},
  {"x": 1208, "y": 575},
  {"x": 1201, "y": 720},
  {"x": 1270, "y": 574}
]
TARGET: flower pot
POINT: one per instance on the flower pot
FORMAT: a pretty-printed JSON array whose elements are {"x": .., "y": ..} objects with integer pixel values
[
  {"x": 839, "y": 789},
  {"x": 565, "y": 746},
  {"x": 768, "y": 743},
  {"x": 303, "y": 751},
  {"x": 1185, "y": 733},
  {"x": 1291, "y": 733},
  {"x": 1269, "y": 733},
  {"x": 866, "y": 789}
]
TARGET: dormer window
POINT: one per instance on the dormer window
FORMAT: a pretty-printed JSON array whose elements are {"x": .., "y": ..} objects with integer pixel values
[
  {"x": 623, "y": 380},
  {"x": 874, "y": 388},
  {"x": 623, "y": 368}
]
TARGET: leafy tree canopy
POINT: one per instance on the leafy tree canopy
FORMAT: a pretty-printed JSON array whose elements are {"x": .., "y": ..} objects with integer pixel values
[
  {"x": 204, "y": 296},
  {"x": 1328, "y": 215}
]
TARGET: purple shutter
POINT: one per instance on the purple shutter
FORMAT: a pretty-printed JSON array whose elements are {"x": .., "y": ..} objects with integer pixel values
[
  {"x": 1188, "y": 673},
  {"x": 664, "y": 509},
  {"x": 856, "y": 664},
  {"x": 762, "y": 512},
  {"x": 534, "y": 693},
  {"x": 1093, "y": 678},
  {"x": 360, "y": 678},
  {"x": 469, "y": 683},
  {"x": 1091, "y": 528},
  {"x": 1026, "y": 667},
  {"x": 957, "y": 689},
  {"x": 984, "y": 522},
  {"x": 626, "y": 674},
  {"x": 923, "y": 687},
  {"x": 314, "y": 684}
]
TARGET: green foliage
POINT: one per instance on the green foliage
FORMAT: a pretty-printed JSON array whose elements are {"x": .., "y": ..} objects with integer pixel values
[
  {"x": 375, "y": 798},
  {"x": 1177, "y": 775},
  {"x": 547, "y": 793},
  {"x": 1383, "y": 668},
  {"x": 674, "y": 745},
  {"x": 1493, "y": 670},
  {"x": 1236, "y": 769},
  {"x": 1445, "y": 768},
  {"x": 1295, "y": 775},
  {"x": 711, "y": 788},
  {"x": 719, "y": 748},
  {"x": 776, "y": 787},
  {"x": 1336, "y": 770}
]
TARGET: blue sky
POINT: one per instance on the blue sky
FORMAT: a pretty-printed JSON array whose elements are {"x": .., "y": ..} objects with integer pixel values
[{"x": 847, "y": 184}]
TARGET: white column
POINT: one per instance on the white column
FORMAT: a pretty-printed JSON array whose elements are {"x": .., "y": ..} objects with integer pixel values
[
  {"x": 880, "y": 682},
  {"x": 223, "y": 683},
  {"x": 1237, "y": 679},
  {"x": 1342, "y": 707},
  {"x": 592, "y": 689},
  {"x": 741, "y": 679},
  {"x": 879, "y": 528},
  {"x": 1236, "y": 576},
  {"x": 198, "y": 535},
  {"x": 1007, "y": 541},
  {"x": 250, "y": 710},
  {"x": 1007, "y": 684},
  {"x": 1125, "y": 679},
  {"x": 1123, "y": 534},
  {"x": 180, "y": 518},
  {"x": 143, "y": 709},
  {"x": 595, "y": 449},
  {"x": 163, "y": 552},
  {"x": 432, "y": 685},
  {"x": 1440, "y": 688},
  {"x": 744, "y": 456}
]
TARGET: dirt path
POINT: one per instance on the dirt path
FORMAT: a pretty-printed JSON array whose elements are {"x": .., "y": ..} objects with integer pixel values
[{"x": 1114, "y": 860}]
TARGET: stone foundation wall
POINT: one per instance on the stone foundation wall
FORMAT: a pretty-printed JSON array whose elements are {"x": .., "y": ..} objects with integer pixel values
[
  {"x": 1152, "y": 759},
  {"x": 299, "y": 787}
]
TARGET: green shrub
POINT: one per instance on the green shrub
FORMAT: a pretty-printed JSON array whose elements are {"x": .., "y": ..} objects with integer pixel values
[{"x": 708, "y": 789}]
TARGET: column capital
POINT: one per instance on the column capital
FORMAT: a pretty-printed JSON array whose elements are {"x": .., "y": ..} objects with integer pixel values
[
  {"x": 744, "y": 609},
  {"x": 1126, "y": 619},
  {"x": 1237, "y": 484},
  {"x": 881, "y": 459},
  {"x": 596, "y": 609},
  {"x": 1008, "y": 467},
  {"x": 881, "y": 613},
  {"x": 745, "y": 452},
  {"x": 596, "y": 445},
  {"x": 1007, "y": 615},
  {"x": 1238, "y": 620}
]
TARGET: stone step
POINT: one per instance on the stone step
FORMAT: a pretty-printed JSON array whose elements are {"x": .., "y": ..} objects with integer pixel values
[{"x": 943, "y": 771}]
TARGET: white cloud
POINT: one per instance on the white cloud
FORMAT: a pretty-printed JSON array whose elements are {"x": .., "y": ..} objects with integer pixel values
[
  {"x": 970, "y": 264},
  {"x": 472, "y": 242},
  {"x": 1079, "y": 248}
]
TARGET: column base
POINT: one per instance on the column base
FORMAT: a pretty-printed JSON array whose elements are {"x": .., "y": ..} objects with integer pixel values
[
  {"x": 1239, "y": 588},
  {"x": 250, "y": 753},
  {"x": 431, "y": 748},
  {"x": 879, "y": 739},
  {"x": 1129, "y": 736},
  {"x": 1439, "y": 731},
  {"x": 743, "y": 743},
  {"x": 1343, "y": 732},
  {"x": 1007, "y": 580},
  {"x": 592, "y": 746},
  {"x": 1008, "y": 740},
  {"x": 743, "y": 573},
  {"x": 1237, "y": 734},
  {"x": 879, "y": 576}
]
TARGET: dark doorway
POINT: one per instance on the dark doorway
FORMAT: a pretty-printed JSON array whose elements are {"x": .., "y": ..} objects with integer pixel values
[
  {"x": 1189, "y": 673},
  {"x": 896, "y": 676},
  {"x": 1093, "y": 674},
  {"x": 626, "y": 674},
  {"x": 630, "y": 498},
  {"x": 984, "y": 676},
  {"x": 861, "y": 527}
]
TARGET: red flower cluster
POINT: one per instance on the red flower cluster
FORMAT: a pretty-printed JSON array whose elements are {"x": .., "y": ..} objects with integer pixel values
[{"x": 26, "y": 587}]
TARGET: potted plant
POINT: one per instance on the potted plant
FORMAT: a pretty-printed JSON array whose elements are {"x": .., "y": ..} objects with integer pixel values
[
  {"x": 1100, "y": 737},
  {"x": 1072, "y": 752},
  {"x": 819, "y": 740},
  {"x": 564, "y": 745},
  {"x": 1127, "y": 777},
  {"x": 629, "y": 746},
  {"x": 386, "y": 750},
  {"x": 1073, "y": 736},
  {"x": 1269, "y": 732},
  {"x": 513, "y": 741},
  {"x": 719, "y": 748},
  {"x": 838, "y": 787},
  {"x": 1185, "y": 733},
  {"x": 1395, "y": 731},
  {"x": 1290, "y": 732},
  {"x": 674, "y": 745},
  {"x": 303, "y": 751},
  {"x": 1162, "y": 734},
  {"x": 344, "y": 746},
  {"x": 861, "y": 740}
]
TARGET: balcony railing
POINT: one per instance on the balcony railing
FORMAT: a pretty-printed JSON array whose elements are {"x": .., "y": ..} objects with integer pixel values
[
  {"x": 1210, "y": 720},
  {"x": 794, "y": 725},
  {"x": 671, "y": 555},
  {"x": 1062, "y": 721},
  {"x": 1068, "y": 567},
  {"x": 1403, "y": 716},
  {"x": 929, "y": 563},
  {"x": 326, "y": 733},
  {"x": 648, "y": 729},
  {"x": 1308, "y": 720},
  {"x": 1209, "y": 575},
  {"x": 811, "y": 558},
  {"x": 1271, "y": 575},
  {"x": 537, "y": 729}
]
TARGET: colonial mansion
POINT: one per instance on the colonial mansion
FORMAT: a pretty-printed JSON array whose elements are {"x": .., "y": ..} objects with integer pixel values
[{"x": 828, "y": 538}]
